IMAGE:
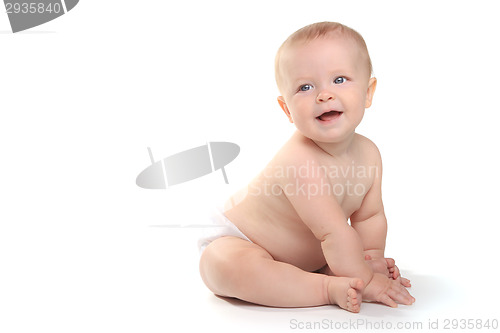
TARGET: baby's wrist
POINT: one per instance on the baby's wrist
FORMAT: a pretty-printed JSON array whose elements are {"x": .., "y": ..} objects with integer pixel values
[{"x": 368, "y": 275}]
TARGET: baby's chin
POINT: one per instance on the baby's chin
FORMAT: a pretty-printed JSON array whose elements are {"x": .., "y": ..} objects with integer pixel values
[{"x": 335, "y": 135}]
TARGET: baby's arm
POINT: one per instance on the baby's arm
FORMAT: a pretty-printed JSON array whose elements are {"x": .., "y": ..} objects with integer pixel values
[
  {"x": 320, "y": 211},
  {"x": 341, "y": 244},
  {"x": 369, "y": 220},
  {"x": 371, "y": 225}
]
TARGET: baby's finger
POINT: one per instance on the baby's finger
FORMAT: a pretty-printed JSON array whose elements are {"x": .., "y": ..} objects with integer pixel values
[
  {"x": 401, "y": 295},
  {"x": 396, "y": 273},
  {"x": 405, "y": 282},
  {"x": 390, "y": 262},
  {"x": 384, "y": 298}
]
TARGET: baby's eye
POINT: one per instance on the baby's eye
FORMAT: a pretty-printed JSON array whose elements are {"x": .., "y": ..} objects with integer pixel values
[
  {"x": 305, "y": 87},
  {"x": 340, "y": 80}
]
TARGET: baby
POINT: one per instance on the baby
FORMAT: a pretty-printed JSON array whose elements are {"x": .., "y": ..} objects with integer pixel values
[{"x": 290, "y": 243}]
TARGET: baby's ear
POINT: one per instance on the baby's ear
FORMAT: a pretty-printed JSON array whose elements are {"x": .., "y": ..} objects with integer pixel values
[
  {"x": 281, "y": 102},
  {"x": 372, "y": 85}
]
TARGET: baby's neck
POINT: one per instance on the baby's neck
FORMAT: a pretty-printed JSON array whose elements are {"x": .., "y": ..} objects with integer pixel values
[{"x": 337, "y": 149}]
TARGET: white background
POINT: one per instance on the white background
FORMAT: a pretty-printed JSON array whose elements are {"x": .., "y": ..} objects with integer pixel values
[{"x": 83, "y": 96}]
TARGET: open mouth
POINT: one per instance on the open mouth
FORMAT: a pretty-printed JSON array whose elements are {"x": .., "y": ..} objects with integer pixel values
[{"x": 330, "y": 115}]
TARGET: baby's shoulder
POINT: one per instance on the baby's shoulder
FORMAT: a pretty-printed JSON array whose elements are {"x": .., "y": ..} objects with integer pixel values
[
  {"x": 297, "y": 151},
  {"x": 367, "y": 148}
]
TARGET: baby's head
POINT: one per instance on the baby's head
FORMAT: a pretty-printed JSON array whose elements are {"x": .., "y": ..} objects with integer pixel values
[
  {"x": 323, "y": 72},
  {"x": 320, "y": 30}
]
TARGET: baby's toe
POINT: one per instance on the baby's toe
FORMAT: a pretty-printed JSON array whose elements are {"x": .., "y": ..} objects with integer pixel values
[
  {"x": 353, "y": 305},
  {"x": 353, "y": 308},
  {"x": 356, "y": 284},
  {"x": 352, "y": 296}
]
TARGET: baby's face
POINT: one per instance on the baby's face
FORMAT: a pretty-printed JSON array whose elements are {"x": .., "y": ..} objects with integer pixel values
[{"x": 326, "y": 87}]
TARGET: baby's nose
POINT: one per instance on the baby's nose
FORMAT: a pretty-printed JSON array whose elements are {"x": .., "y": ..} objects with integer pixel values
[{"x": 324, "y": 96}]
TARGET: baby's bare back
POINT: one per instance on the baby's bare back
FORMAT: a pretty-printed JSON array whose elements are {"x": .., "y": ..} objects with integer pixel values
[{"x": 266, "y": 215}]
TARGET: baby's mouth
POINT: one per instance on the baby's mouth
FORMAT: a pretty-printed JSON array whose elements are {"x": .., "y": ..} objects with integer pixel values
[{"x": 330, "y": 115}]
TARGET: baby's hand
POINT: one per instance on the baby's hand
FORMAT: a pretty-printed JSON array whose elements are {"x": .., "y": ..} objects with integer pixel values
[
  {"x": 387, "y": 267},
  {"x": 388, "y": 291}
]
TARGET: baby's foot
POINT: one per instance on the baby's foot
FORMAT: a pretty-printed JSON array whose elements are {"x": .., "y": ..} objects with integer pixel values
[{"x": 345, "y": 292}]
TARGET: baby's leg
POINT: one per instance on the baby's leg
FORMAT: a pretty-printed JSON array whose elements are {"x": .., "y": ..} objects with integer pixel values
[{"x": 233, "y": 267}]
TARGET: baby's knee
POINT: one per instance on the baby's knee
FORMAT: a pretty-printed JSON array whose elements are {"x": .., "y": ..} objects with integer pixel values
[{"x": 218, "y": 265}]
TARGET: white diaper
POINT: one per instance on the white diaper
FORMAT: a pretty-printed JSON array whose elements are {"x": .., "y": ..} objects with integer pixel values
[{"x": 218, "y": 226}]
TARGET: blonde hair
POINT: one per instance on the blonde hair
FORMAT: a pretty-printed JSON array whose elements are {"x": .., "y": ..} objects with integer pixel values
[{"x": 317, "y": 30}]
